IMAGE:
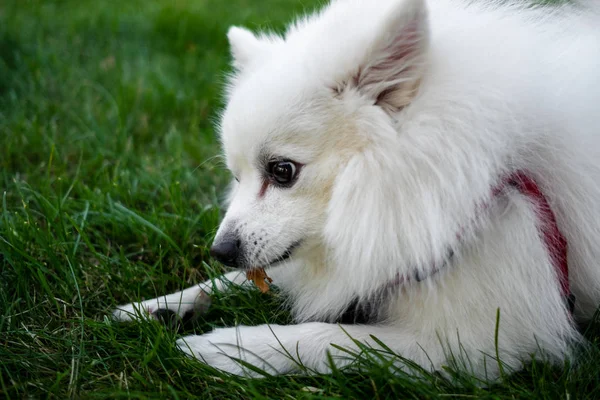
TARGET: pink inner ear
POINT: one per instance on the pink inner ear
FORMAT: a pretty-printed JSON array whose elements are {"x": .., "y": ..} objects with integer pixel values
[
  {"x": 408, "y": 43},
  {"x": 395, "y": 57},
  {"x": 391, "y": 76}
]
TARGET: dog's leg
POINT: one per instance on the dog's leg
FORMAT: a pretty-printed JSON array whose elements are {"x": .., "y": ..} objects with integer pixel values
[
  {"x": 192, "y": 301},
  {"x": 283, "y": 349}
]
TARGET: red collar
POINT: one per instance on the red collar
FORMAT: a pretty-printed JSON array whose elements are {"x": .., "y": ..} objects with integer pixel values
[{"x": 555, "y": 242}]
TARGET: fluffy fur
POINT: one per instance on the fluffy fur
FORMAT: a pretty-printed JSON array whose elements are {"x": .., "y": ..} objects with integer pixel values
[{"x": 403, "y": 116}]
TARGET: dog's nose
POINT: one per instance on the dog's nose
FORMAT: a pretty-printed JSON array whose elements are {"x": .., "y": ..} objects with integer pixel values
[{"x": 227, "y": 251}]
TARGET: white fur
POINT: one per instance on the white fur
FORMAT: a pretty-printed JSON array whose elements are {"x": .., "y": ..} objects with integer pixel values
[{"x": 405, "y": 115}]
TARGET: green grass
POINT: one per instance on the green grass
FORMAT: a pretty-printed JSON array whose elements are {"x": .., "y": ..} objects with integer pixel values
[{"x": 110, "y": 193}]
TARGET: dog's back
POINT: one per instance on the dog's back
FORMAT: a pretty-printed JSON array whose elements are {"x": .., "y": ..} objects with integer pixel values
[{"x": 542, "y": 63}]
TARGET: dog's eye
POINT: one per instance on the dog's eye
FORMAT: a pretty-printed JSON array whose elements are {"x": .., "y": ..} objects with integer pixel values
[{"x": 282, "y": 172}]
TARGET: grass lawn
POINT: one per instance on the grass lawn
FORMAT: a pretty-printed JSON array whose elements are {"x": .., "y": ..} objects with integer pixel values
[{"x": 109, "y": 186}]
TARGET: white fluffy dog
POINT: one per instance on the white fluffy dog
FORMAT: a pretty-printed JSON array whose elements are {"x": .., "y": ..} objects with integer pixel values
[{"x": 419, "y": 165}]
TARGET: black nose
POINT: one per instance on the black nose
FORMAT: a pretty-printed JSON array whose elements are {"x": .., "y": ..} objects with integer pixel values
[{"x": 227, "y": 251}]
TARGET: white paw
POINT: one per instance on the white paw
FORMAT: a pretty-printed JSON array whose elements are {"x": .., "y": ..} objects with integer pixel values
[
  {"x": 255, "y": 345},
  {"x": 130, "y": 312},
  {"x": 186, "y": 304}
]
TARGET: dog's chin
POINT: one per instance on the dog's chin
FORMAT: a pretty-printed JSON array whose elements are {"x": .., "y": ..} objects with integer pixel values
[{"x": 284, "y": 256}]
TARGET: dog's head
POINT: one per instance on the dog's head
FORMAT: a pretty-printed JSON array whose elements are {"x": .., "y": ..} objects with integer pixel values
[{"x": 300, "y": 109}]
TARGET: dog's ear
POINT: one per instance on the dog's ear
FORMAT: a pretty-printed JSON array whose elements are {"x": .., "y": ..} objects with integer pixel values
[
  {"x": 246, "y": 46},
  {"x": 394, "y": 65}
]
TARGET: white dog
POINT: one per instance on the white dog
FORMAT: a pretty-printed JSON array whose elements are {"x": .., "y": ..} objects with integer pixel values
[{"x": 421, "y": 165}]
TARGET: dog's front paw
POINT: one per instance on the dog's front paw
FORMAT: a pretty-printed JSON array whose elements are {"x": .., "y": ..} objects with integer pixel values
[
  {"x": 173, "y": 308},
  {"x": 255, "y": 345}
]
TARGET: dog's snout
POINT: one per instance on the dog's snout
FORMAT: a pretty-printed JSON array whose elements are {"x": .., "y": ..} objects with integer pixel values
[{"x": 227, "y": 251}]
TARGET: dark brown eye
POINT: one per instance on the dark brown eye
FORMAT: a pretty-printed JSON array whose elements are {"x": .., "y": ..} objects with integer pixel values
[{"x": 282, "y": 172}]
